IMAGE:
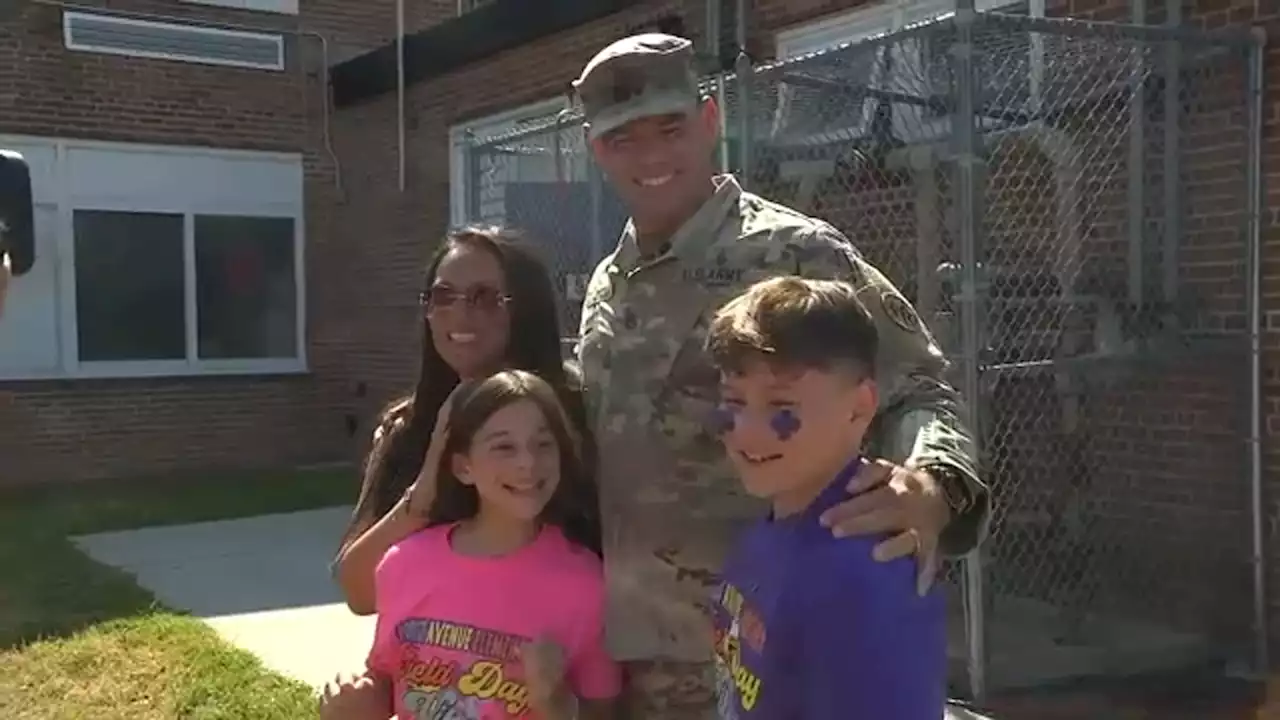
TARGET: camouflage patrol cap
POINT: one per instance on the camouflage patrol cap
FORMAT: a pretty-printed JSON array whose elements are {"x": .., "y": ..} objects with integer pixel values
[{"x": 637, "y": 76}]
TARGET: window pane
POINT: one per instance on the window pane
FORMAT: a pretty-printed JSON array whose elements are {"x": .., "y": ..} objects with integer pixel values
[
  {"x": 245, "y": 287},
  {"x": 129, "y": 286}
]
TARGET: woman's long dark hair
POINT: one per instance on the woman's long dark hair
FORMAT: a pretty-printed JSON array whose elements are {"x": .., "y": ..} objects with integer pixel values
[
  {"x": 405, "y": 426},
  {"x": 474, "y": 405}
]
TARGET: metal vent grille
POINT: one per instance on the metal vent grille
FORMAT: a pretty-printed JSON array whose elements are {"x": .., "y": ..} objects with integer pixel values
[{"x": 166, "y": 41}]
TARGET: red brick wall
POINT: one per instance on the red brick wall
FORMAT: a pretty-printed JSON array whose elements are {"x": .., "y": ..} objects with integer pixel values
[{"x": 78, "y": 430}]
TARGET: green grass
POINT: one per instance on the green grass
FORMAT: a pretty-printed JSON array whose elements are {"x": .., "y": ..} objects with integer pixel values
[{"x": 79, "y": 640}]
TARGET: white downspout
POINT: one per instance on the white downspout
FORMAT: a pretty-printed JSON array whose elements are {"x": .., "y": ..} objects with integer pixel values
[{"x": 400, "y": 88}]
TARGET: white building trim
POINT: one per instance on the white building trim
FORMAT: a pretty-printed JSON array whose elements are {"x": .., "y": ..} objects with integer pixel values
[{"x": 39, "y": 335}]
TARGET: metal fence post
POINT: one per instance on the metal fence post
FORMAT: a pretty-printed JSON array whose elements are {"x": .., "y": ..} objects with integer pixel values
[
  {"x": 1172, "y": 156},
  {"x": 1254, "y": 109},
  {"x": 744, "y": 73},
  {"x": 1137, "y": 167},
  {"x": 713, "y": 45},
  {"x": 471, "y": 184},
  {"x": 967, "y": 158}
]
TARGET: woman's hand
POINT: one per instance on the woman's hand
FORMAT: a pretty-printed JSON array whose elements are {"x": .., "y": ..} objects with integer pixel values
[
  {"x": 361, "y": 697},
  {"x": 544, "y": 676},
  {"x": 423, "y": 490}
]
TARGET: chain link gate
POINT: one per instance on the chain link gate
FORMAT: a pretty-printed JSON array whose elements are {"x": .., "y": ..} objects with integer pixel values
[{"x": 1074, "y": 208}]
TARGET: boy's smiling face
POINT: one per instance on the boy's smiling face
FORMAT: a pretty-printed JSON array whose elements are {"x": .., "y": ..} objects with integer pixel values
[{"x": 789, "y": 430}]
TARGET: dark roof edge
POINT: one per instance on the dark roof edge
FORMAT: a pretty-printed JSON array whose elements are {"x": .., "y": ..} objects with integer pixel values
[{"x": 461, "y": 41}]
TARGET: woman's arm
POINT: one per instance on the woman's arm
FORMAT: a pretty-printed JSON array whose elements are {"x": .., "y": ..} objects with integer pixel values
[{"x": 357, "y": 561}]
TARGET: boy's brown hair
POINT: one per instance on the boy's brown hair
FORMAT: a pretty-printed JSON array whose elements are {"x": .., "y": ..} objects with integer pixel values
[{"x": 794, "y": 322}]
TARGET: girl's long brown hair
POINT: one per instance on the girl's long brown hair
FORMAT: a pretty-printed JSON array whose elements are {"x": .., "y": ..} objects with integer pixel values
[
  {"x": 405, "y": 426},
  {"x": 473, "y": 406}
]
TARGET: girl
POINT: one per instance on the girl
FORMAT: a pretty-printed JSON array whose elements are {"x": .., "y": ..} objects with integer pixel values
[
  {"x": 508, "y": 622},
  {"x": 488, "y": 303}
]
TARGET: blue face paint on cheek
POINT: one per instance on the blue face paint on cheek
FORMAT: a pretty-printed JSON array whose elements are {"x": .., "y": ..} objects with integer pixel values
[
  {"x": 785, "y": 424},
  {"x": 722, "y": 419}
]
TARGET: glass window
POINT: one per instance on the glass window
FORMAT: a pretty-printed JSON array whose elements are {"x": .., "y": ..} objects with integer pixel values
[
  {"x": 246, "y": 292},
  {"x": 129, "y": 278}
]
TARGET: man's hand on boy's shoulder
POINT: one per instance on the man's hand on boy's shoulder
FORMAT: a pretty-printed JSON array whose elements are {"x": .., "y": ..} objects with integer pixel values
[
  {"x": 909, "y": 503},
  {"x": 905, "y": 503}
]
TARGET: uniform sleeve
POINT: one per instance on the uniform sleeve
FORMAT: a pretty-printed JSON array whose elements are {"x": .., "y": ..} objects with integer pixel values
[
  {"x": 870, "y": 647},
  {"x": 593, "y": 674},
  {"x": 920, "y": 421},
  {"x": 599, "y": 277},
  {"x": 590, "y": 367}
]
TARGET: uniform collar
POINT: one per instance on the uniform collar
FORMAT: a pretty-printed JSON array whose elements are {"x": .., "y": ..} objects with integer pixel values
[{"x": 693, "y": 238}]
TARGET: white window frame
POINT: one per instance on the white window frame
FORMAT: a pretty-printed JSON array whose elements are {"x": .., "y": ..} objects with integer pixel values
[
  {"x": 482, "y": 127},
  {"x": 70, "y": 365},
  {"x": 282, "y": 7},
  {"x": 466, "y": 6},
  {"x": 71, "y": 44}
]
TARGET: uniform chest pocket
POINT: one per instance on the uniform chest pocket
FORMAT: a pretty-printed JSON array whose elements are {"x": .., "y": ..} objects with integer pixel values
[{"x": 691, "y": 392}]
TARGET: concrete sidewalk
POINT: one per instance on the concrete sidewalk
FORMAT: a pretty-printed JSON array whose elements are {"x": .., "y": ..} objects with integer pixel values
[{"x": 263, "y": 583}]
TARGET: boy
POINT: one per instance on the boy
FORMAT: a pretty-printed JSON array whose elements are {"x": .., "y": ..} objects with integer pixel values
[{"x": 809, "y": 626}]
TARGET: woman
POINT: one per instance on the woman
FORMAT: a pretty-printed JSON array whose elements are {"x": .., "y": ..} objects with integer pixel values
[{"x": 488, "y": 304}]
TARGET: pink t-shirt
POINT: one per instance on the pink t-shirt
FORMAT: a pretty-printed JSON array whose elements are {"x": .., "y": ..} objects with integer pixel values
[{"x": 450, "y": 627}]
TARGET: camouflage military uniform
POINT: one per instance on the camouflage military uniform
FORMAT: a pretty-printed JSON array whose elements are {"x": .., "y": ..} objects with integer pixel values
[{"x": 670, "y": 502}]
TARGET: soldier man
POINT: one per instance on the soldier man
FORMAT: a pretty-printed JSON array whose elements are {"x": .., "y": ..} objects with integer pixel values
[{"x": 670, "y": 504}]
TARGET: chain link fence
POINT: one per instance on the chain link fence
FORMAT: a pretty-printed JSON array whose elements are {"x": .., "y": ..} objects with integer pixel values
[
  {"x": 1073, "y": 207},
  {"x": 539, "y": 178}
]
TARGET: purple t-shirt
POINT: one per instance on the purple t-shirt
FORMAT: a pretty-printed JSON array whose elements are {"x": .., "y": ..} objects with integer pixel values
[{"x": 811, "y": 627}]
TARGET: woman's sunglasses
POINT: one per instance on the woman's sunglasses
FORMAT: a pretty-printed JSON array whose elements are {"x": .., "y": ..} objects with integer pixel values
[{"x": 480, "y": 297}]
